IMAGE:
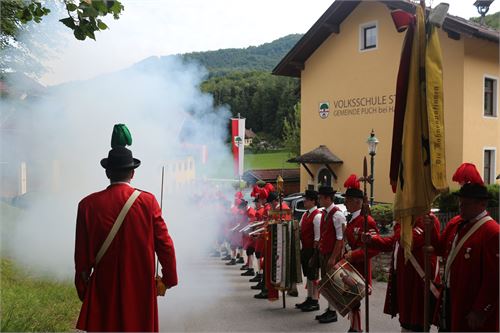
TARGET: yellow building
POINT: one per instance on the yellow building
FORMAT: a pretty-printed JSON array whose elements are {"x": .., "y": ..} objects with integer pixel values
[{"x": 348, "y": 63}]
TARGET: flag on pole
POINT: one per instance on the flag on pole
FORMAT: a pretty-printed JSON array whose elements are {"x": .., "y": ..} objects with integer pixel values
[
  {"x": 417, "y": 157},
  {"x": 238, "y": 144}
]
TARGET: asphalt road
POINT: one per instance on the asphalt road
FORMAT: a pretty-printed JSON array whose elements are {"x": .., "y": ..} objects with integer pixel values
[{"x": 213, "y": 297}]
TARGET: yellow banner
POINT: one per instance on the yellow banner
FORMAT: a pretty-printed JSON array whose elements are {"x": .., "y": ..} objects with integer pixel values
[{"x": 435, "y": 113}]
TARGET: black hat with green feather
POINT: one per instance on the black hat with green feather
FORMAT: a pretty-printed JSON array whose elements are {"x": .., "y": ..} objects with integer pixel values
[{"x": 119, "y": 157}]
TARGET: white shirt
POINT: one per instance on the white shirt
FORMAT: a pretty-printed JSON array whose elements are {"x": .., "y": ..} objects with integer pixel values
[
  {"x": 338, "y": 221},
  {"x": 316, "y": 223},
  {"x": 354, "y": 215},
  {"x": 126, "y": 183}
]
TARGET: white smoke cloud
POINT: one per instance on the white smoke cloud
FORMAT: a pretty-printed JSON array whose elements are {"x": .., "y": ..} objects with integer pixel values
[{"x": 63, "y": 132}]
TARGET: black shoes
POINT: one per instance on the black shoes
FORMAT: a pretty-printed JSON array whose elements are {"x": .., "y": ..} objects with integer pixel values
[
  {"x": 240, "y": 260},
  {"x": 293, "y": 293},
  {"x": 249, "y": 272},
  {"x": 256, "y": 278},
  {"x": 228, "y": 257},
  {"x": 231, "y": 263},
  {"x": 261, "y": 295},
  {"x": 244, "y": 267},
  {"x": 313, "y": 305},
  {"x": 300, "y": 305},
  {"x": 318, "y": 317},
  {"x": 258, "y": 286},
  {"x": 328, "y": 317}
]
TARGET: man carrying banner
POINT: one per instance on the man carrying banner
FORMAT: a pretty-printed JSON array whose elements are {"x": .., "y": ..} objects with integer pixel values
[
  {"x": 352, "y": 236},
  {"x": 118, "y": 232},
  {"x": 470, "y": 247},
  {"x": 331, "y": 241},
  {"x": 310, "y": 225},
  {"x": 406, "y": 283}
]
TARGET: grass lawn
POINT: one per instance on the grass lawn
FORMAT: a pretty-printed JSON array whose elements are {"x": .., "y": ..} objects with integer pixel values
[
  {"x": 29, "y": 304},
  {"x": 273, "y": 160}
]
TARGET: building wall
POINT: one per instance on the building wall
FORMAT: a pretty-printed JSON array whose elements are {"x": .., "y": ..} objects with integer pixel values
[
  {"x": 337, "y": 71},
  {"x": 481, "y": 58}
]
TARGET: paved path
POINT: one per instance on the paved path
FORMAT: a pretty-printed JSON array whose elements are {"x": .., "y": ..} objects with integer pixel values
[{"x": 213, "y": 297}]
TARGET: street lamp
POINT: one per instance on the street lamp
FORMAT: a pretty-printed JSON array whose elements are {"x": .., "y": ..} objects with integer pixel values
[
  {"x": 483, "y": 6},
  {"x": 372, "y": 150}
]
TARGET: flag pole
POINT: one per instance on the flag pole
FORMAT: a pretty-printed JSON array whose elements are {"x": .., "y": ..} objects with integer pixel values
[
  {"x": 161, "y": 208},
  {"x": 365, "y": 245},
  {"x": 427, "y": 238},
  {"x": 279, "y": 187}
]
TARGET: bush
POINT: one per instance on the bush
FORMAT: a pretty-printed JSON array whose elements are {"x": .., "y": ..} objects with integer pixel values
[
  {"x": 448, "y": 202},
  {"x": 383, "y": 215}
]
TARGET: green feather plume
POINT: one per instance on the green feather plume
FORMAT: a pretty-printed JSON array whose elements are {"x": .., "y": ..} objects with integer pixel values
[{"x": 121, "y": 136}]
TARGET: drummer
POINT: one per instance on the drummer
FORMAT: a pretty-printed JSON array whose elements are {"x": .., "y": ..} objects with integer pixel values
[
  {"x": 331, "y": 241},
  {"x": 354, "y": 246}
]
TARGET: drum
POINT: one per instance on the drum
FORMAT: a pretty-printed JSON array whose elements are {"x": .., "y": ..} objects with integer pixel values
[{"x": 343, "y": 287}]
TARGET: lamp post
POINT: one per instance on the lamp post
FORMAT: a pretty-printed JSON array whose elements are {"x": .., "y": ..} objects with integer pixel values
[{"x": 372, "y": 150}]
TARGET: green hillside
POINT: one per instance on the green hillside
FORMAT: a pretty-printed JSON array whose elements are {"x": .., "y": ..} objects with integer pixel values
[
  {"x": 492, "y": 20},
  {"x": 254, "y": 58}
]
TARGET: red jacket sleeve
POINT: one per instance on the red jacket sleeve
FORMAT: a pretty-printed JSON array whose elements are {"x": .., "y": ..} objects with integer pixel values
[
  {"x": 164, "y": 247},
  {"x": 82, "y": 261},
  {"x": 359, "y": 254}
]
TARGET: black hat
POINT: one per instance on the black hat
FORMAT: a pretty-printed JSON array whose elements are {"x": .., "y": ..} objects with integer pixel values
[
  {"x": 354, "y": 193},
  {"x": 311, "y": 195},
  {"x": 243, "y": 204},
  {"x": 120, "y": 158},
  {"x": 272, "y": 196},
  {"x": 472, "y": 190},
  {"x": 326, "y": 190}
]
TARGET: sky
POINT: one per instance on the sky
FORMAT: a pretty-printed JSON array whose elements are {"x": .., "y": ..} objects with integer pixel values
[{"x": 163, "y": 27}]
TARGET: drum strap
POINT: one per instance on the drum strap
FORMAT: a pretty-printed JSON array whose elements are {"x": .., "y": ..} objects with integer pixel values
[{"x": 116, "y": 226}]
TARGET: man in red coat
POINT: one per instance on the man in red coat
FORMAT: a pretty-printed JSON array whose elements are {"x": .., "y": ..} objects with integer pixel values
[
  {"x": 470, "y": 246},
  {"x": 405, "y": 287},
  {"x": 354, "y": 245},
  {"x": 119, "y": 292},
  {"x": 248, "y": 242}
]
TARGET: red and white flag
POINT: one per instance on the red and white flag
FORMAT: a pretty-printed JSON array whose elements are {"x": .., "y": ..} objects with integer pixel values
[{"x": 238, "y": 144}]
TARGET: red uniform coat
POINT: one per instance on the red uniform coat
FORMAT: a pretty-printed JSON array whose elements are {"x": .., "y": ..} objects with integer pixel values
[
  {"x": 121, "y": 292},
  {"x": 473, "y": 273},
  {"x": 248, "y": 240},
  {"x": 264, "y": 215},
  {"x": 235, "y": 234},
  {"x": 408, "y": 286},
  {"x": 352, "y": 235}
]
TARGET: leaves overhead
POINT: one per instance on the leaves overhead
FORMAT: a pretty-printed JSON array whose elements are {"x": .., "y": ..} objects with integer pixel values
[
  {"x": 84, "y": 20},
  {"x": 83, "y": 16}
]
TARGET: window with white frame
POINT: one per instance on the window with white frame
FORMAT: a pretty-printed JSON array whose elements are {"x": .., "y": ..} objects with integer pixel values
[
  {"x": 489, "y": 166},
  {"x": 368, "y": 36},
  {"x": 490, "y": 97}
]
